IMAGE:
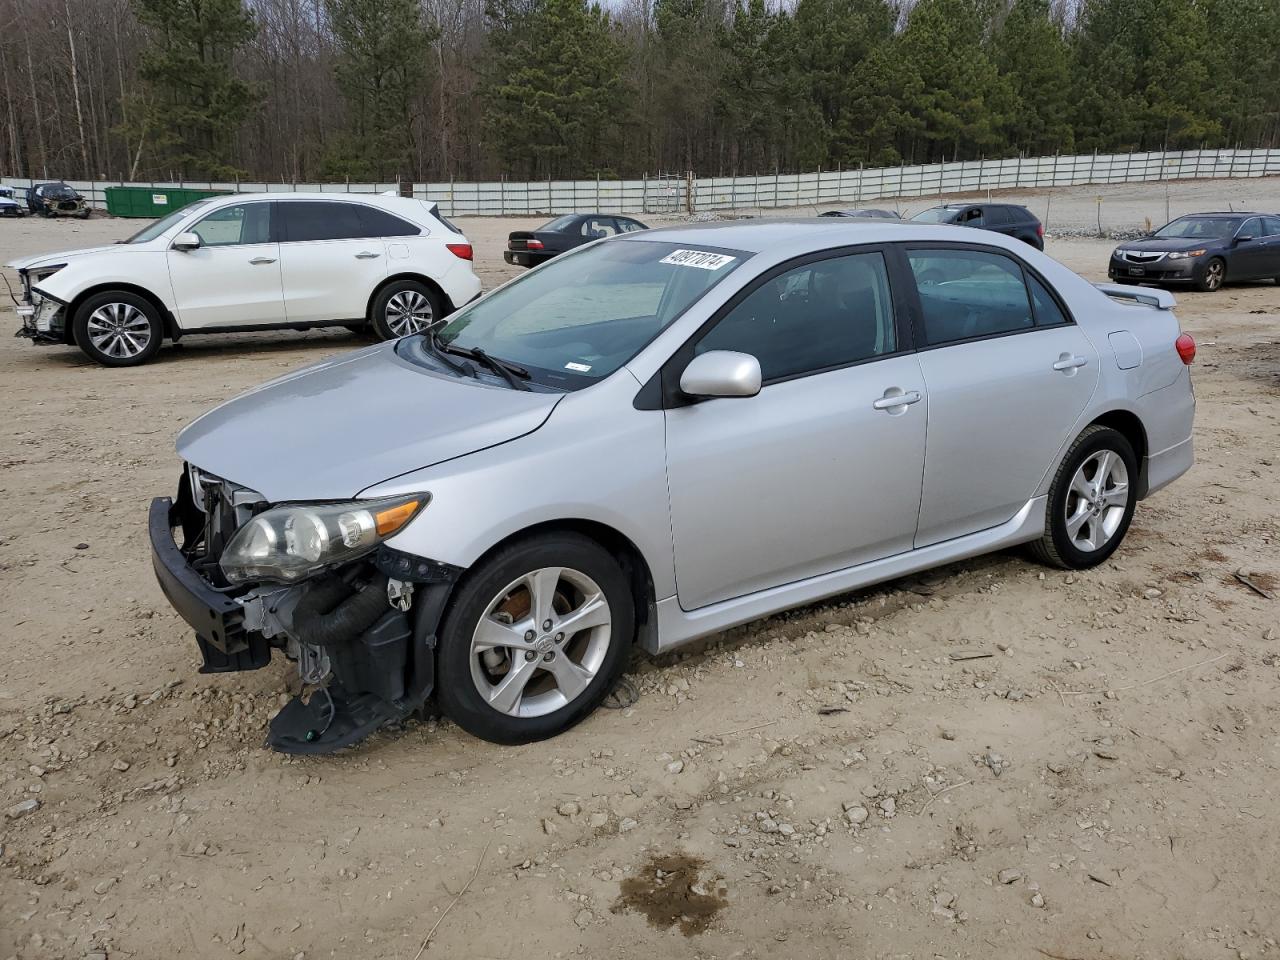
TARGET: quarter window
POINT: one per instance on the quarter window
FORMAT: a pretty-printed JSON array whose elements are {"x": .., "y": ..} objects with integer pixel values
[
  {"x": 1047, "y": 311},
  {"x": 320, "y": 220},
  {"x": 968, "y": 293},
  {"x": 379, "y": 223},
  {"x": 825, "y": 314},
  {"x": 244, "y": 223}
]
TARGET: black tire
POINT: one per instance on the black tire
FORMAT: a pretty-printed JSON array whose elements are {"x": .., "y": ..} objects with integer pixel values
[
  {"x": 154, "y": 329},
  {"x": 1056, "y": 547},
  {"x": 1214, "y": 274},
  {"x": 382, "y": 317},
  {"x": 457, "y": 689}
]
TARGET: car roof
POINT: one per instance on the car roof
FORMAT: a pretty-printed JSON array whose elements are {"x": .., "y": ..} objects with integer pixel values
[
  {"x": 1225, "y": 214},
  {"x": 804, "y": 235}
]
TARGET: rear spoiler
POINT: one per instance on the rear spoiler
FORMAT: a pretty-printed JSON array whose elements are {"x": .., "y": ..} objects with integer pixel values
[{"x": 1150, "y": 296}]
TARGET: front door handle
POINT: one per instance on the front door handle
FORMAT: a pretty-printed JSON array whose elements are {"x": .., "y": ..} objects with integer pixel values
[
  {"x": 892, "y": 400},
  {"x": 259, "y": 261},
  {"x": 1069, "y": 362},
  {"x": 367, "y": 255}
]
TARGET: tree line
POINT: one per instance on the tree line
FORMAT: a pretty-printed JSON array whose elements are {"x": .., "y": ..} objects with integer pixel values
[{"x": 305, "y": 90}]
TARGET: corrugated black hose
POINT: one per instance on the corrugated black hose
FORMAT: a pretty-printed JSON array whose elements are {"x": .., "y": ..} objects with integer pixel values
[{"x": 332, "y": 613}]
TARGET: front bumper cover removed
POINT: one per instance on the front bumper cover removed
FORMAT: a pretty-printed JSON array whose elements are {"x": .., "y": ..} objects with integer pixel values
[{"x": 381, "y": 675}]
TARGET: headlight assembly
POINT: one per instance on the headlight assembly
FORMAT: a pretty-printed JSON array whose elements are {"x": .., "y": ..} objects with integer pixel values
[
  {"x": 290, "y": 543},
  {"x": 1186, "y": 254}
]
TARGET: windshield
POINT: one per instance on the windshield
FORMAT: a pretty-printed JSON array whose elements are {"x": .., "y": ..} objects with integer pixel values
[
  {"x": 559, "y": 223},
  {"x": 581, "y": 316},
  {"x": 58, "y": 191},
  {"x": 1218, "y": 228},
  {"x": 935, "y": 215},
  {"x": 165, "y": 222}
]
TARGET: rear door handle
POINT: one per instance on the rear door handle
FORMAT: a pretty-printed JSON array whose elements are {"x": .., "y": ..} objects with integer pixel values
[
  {"x": 259, "y": 261},
  {"x": 891, "y": 401},
  {"x": 367, "y": 255},
  {"x": 1068, "y": 362}
]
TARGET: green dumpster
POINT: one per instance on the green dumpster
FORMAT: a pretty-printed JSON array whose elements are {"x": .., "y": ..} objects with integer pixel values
[{"x": 152, "y": 202}]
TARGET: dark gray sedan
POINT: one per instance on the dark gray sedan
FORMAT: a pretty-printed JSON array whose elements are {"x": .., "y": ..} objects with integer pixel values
[
  {"x": 1204, "y": 250},
  {"x": 528, "y": 248}
]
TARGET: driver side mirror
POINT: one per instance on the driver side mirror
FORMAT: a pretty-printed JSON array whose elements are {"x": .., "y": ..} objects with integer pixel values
[
  {"x": 1244, "y": 238},
  {"x": 722, "y": 373},
  {"x": 186, "y": 242}
]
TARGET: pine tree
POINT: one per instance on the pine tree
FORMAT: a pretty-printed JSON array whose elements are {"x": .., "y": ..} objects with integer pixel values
[
  {"x": 553, "y": 90},
  {"x": 196, "y": 102},
  {"x": 382, "y": 70},
  {"x": 1032, "y": 53}
]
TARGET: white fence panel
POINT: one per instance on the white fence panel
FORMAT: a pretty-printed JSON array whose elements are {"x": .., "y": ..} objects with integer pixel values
[{"x": 686, "y": 194}]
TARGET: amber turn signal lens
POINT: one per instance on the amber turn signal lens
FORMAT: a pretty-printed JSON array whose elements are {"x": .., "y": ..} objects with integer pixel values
[{"x": 392, "y": 519}]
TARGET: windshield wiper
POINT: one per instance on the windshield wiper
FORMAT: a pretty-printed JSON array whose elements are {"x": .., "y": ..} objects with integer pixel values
[
  {"x": 508, "y": 371},
  {"x": 437, "y": 349}
]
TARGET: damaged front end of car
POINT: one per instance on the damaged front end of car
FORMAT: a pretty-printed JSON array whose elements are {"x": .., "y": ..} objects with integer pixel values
[
  {"x": 44, "y": 318},
  {"x": 315, "y": 581}
]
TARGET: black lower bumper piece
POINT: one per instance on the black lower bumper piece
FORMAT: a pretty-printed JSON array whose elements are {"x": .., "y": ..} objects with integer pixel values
[
  {"x": 216, "y": 618},
  {"x": 331, "y": 720}
]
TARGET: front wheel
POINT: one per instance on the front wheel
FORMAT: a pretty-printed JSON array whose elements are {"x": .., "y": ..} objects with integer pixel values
[
  {"x": 118, "y": 329},
  {"x": 535, "y": 638},
  {"x": 1091, "y": 501},
  {"x": 403, "y": 308},
  {"x": 1213, "y": 275}
]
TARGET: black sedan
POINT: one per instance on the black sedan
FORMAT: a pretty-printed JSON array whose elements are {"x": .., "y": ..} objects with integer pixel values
[
  {"x": 1011, "y": 219},
  {"x": 1204, "y": 250},
  {"x": 863, "y": 213},
  {"x": 528, "y": 248},
  {"x": 56, "y": 200}
]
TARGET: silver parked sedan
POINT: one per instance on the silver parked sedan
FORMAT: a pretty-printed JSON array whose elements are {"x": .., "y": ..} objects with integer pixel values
[{"x": 652, "y": 439}]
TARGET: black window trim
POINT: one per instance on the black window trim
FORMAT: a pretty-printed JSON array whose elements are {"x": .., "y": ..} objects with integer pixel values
[
  {"x": 917, "y": 310},
  {"x": 279, "y": 231},
  {"x": 273, "y": 224},
  {"x": 670, "y": 371}
]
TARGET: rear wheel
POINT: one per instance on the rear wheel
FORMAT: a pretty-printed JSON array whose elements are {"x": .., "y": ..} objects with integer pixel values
[
  {"x": 1091, "y": 501},
  {"x": 1211, "y": 278},
  {"x": 403, "y": 308},
  {"x": 535, "y": 638},
  {"x": 118, "y": 329}
]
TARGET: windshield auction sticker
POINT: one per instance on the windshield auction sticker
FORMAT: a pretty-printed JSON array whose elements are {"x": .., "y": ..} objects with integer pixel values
[{"x": 698, "y": 258}]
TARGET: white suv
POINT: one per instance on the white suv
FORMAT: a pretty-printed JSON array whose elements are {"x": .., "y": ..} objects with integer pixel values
[{"x": 252, "y": 262}]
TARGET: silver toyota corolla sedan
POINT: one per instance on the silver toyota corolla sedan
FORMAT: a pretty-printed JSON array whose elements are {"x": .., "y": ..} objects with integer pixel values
[{"x": 652, "y": 439}]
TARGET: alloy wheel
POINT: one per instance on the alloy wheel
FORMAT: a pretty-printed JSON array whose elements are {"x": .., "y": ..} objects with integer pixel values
[
  {"x": 119, "y": 330},
  {"x": 541, "y": 642},
  {"x": 1097, "y": 500},
  {"x": 1214, "y": 274},
  {"x": 408, "y": 311}
]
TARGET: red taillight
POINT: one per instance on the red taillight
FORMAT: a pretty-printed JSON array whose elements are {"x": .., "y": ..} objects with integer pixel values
[
  {"x": 533, "y": 244},
  {"x": 1186, "y": 347},
  {"x": 1040, "y": 230},
  {"x": 460, "y": 250}
]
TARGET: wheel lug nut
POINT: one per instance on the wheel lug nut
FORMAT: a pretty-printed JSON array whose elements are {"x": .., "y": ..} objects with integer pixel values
[
  {"x": 546, "y": 624},
  {"x": 559, "y": 638},
  {"x": 548, "y": 657},
  {"x": 530, "y": 655},
  {"x": 529, "y": 635}
]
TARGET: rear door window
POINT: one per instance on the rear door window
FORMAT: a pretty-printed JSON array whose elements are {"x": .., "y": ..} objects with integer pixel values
[
  {"x": 1271, "y": 226},
  {"x": 967, "y": 294},
  {"x": 306, "y": 220}
]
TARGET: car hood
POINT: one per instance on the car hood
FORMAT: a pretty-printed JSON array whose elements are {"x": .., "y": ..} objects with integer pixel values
[
  {"x": 329, "y": 431},
  {"x": 45, "y": 259},
  {"x": 1171, "y": 244}
]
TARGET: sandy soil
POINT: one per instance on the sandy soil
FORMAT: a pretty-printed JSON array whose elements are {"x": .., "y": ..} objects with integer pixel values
[{"x": 995, "y": 760}]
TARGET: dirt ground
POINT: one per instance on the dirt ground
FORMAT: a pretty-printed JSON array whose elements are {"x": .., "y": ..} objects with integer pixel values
[{"x": 993, "y": 760}]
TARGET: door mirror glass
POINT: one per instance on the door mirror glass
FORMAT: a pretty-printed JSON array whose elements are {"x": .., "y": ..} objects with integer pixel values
[
  {"x": 186, "y": 241},
  {"x": 722, "y": 373}
]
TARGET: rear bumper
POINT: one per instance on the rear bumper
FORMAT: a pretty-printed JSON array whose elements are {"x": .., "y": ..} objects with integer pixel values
[
  {"x": 525, "y": 258},
  {"x": 1168, "y": 465}
]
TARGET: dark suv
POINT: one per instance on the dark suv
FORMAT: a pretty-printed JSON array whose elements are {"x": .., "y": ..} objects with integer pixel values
[{"x": 1011, "y": 219}]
